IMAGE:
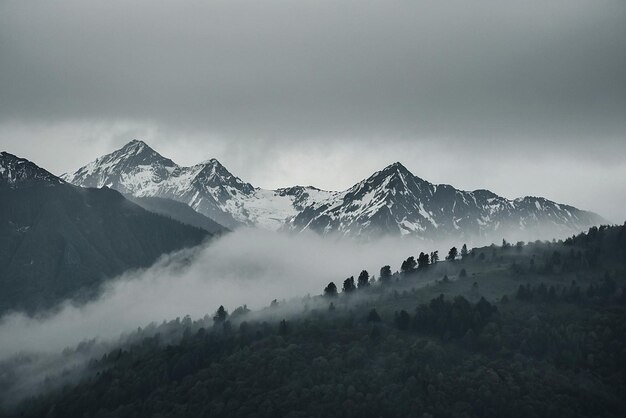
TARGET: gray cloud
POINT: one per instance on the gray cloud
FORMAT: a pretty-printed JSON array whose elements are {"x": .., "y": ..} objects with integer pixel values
[
  {"x": 271, "y": 88},
  {"x": 311, "y": 67}
]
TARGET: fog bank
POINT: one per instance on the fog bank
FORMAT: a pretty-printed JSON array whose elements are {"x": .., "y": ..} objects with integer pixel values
[{"x": 247, "y": 266}]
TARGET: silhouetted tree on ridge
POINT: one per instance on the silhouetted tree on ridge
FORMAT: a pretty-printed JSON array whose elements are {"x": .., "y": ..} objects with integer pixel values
[
  {"x": 409, "y": 264},
  {"x": 423, "y": 260},
  {"x": 330, "y": 290},
  {"x": 348, "y": 285},
  {"x": 364, "y": 279},
  {"x": 220, "y": 315},
  {"x": 385, "y": 274}
]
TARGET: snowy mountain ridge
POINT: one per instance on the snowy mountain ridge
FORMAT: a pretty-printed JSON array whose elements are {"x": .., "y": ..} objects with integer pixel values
[
  {"x": 395, "y": 200},
  {"x": 390, "y": 202},
  {"x": 207, "y": 187}
]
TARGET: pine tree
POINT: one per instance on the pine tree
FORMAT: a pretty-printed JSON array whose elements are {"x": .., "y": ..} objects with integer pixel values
[
  {"x": 330, "y": 290},
  {"x": 452, "y": 254},
  {"x": 423, "y": 260},
  {"x": 364, "y": 279},
  {"x": 409, "y": 264},
  {"x": 348, "y": 285},
  {"x": 220, "y": 315},
  {"x": 385, "y": 274},
  {"x": 464, "y": 252}
]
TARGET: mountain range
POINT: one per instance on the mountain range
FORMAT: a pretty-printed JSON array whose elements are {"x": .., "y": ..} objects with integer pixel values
[
  {"x": 391, "y": 202},
  {"x": 60, "y": 241}
]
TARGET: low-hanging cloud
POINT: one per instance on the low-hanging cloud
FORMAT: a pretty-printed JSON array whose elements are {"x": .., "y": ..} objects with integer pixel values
[{"x": 247, "y": 266}]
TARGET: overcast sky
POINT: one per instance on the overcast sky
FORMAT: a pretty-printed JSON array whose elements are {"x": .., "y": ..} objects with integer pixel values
[{"x": 520, "y": 97}]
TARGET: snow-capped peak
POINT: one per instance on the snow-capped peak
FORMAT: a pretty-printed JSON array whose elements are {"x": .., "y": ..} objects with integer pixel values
[
  {"x": 129, "y": 169},
  {"x": 20, "y": 172},
  {"x": 393, "y": 200},
  {"x": 396, "y": 167},
  {"x": 395, "y": 179},
  {"x": 135, "y": 143},
  {"x": 134, "y": 146},
  {"x": 140, "y": 152},
  {"x": 214, "y": 174}
]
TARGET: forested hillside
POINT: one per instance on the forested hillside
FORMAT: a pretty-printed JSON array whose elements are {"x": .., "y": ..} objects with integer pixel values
[
  {"x": 61, "y": 241},
  {"x": 522, "y": 330}
]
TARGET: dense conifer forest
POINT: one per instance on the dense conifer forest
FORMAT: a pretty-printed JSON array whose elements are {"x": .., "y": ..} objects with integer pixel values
[{"x": 518, "y": 329}]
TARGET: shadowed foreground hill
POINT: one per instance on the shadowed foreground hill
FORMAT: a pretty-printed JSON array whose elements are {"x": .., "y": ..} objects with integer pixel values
[
  {"x": 528, "y": 330},
  {"x": 59, "y": 241}
]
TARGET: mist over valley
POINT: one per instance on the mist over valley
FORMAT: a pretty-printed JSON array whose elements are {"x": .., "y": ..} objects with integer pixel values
[{"x": 312, "y": 209}]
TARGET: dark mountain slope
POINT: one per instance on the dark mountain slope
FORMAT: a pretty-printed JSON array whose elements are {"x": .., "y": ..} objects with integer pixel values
[
  {"x": 59, "y": 241},
  {"x": 178, "y": 211}
]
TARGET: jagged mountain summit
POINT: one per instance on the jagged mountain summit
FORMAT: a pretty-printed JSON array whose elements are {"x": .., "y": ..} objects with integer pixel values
[
  {"x": 129, "y": 170},
  {"x": 390, "y": 202},
  {"x": 18, "y": 172}
]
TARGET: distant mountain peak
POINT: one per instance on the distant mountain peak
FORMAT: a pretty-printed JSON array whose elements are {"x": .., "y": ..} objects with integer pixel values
[
  {"x": 19, "y": 172},
  {"x": 127, "y": 169},
  {"x": 139, "y": 149},
  {"x": 135, "y": 147},
  {"x": 395, "y": 168},
  {"x": 214, "y": 166},
  {"x": 136, "y": 142},
  {"x": 5, "y": 156},
  {"x": 395, "y": 178},
  {"x": 213, "y": 172}
]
